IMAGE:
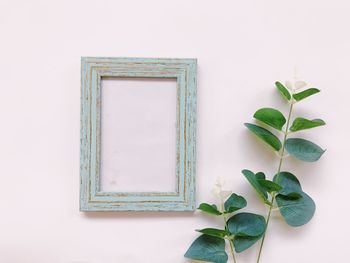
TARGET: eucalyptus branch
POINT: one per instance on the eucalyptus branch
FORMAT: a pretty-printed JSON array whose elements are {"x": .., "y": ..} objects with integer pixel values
[
  {"x": 283, "y": 192},
  {"x": 278, "y": 171}
]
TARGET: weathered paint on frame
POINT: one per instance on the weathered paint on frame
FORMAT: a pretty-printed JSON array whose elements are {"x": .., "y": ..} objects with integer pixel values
[{"x": 92, "y": 70}]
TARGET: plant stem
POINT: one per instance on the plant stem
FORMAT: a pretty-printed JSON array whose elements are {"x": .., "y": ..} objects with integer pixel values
[
  {"x": 278, "y": 171},
  {"x": 226, "y": 228},
  {"x": 232, "y": 251},
  {"x": 230, "y": 241}
]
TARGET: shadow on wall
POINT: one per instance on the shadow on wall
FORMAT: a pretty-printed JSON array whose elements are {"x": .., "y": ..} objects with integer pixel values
[{"x": 136, "y": 215}]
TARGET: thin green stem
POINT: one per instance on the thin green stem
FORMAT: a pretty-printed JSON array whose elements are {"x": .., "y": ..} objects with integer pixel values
[
  {"x": 278, "y": 171},
  {"x": 232, "y": 251},
  {"x": 230, "y": 241},
  {"x": 226, "y": 228}
]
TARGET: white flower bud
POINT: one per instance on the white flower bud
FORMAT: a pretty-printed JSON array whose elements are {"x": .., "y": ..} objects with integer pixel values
[
  {"x": 295, "y": 85},
  {"x": 289, "y": 85},
  {"x": 299, "y": 84},
  {"x": 218, "y": 191}
]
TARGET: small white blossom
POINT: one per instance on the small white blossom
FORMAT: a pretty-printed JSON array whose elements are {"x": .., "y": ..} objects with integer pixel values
[
  {"x": 218, "y": 190},
  {"x": 295, "y": 85}
]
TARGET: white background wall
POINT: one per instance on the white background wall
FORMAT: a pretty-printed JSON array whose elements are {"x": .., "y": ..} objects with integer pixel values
[{"x": 242, "y": 48}]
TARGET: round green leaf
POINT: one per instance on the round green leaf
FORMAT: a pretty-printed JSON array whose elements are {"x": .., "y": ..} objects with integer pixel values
[
  {"x": 265, "y": 135},
  {"x": 291, "y": 187},
  {"x": 214, "y": 232},
  {"x": 289, "y": 194},
  {"x": 271, "y": 117},
  {"x": 303, "y": 149},
  {"x": 242, "y": 243},
  {"x": 296, "y": 207},
  {"x": 208, "y": 248},
  {"x": 287, "y": 180},
  {"x": 304, "y": 94},
  {"x": 269, "y": 186},
  {"x": 246, "y": 224},
  {"x": 252, "y": 179},
  {"x": 296, "y": 212},
  {"x": 210, "y": 209},
  {"x": 303, "y": 124},
  {"x": 282, "y": 89},
  {"x": 260, "y": 175},
  {"x": 234, "y": 203}
]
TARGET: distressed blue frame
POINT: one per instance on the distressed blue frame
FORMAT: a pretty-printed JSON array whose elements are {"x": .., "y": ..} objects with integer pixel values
[{"x": 91, "y": 197}]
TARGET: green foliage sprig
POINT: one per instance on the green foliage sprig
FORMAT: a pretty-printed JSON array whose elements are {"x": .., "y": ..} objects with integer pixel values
[{"x": 283, "y": 191}]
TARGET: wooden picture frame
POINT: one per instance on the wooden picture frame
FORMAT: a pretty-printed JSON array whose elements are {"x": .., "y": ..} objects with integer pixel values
[{"x": 91, "y": 196}]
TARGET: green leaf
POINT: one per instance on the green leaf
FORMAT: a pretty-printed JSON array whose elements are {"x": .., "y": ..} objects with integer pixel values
[
  {"x": 303, "y": 149},
  {"x": 242, "y": 243},
  {"x": 304, "y": 94},
  {"x": 247, "y": 228},
  {"x": 269, "y": 186},
  {"x": 282, "y": 89},
  {"x": 251, "y": 177},
  {"x": 288, "y": 194},
  {"x": 296, "y": 207},
  {"x": 291, "y": 187},
  {"x": 271, "y": 117},
  {"x": 260, "y": 175},
  {"x": 265, "y": 135},
  {"x": 210, "y": 209},
  {"x": 234, "y": 203},
  {"x": 208, "y": 248},
  {"x": 246, "y": 224},
  {"x": 214, "y": 232},
  {"x": 296, "y": 212},
  {"x": 288, "y": 180},
  {"x": 303, "y": 124}
]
